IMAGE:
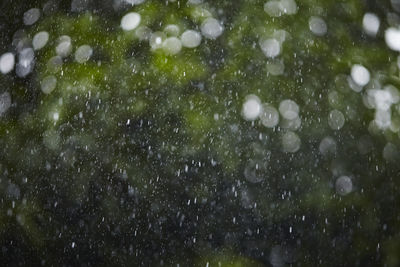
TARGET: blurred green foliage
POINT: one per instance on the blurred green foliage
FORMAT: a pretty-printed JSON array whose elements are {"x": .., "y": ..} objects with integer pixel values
[{"x": 145, "y": 162}]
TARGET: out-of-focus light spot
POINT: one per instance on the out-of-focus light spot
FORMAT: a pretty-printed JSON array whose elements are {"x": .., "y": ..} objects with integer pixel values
[
  {"x": 191, "y": 39},
  {"x": 54, "y": 64},
  {"x": 251, "y": 108},
  {"x": 195, "y": 2},
  {"x": 31, "y": 16},
  {"x": 371, "y": 24},
  {"x": 327, "y": 146},
  {"x": 211, "y": 28},
  {"x": 292, "y": 125},
  {"x": 360, "y": 75},
  {"x": 276, "y": 67},
  {"x": 353, "y": 85},
  {"x": 278, "y": 8},
  {"x": 392, "y": 38},
  {"x": 130, "y": 21},
  {"x": 383, "y": 118},
  {"x": 291, "y": 142},
  {"x": 289, "y": 109},
  {"x": 7, "y": 62},
  {"x": 391, "y": 153},
  {"x": 51, "y": 139},
  {"x": 40, "y": 40},
  {"x": 253, "y": 171},
  {"x": 172, "y": 46},
  {"x": 270, "y": 47},
  {"x": 5, "y": 102},
  {"x": 288, "y": 7},
  {"x": 336, "y": 119},
  {"x": 25, "y": 62},
  {"x": 343, "y": 185},
  {"x": 83, "y": 53},
  {"x": 156, "y": 40},
  {"x": 383, "y": 99},
  {"x": 273, "y": 8},
  {"x": 134, "y": 2},
  {"x": 143, "y": 33},
  {"x": 365, "y": 144},
  {"x": 48, "y": 84},
  {"x": 269, "y": 116},
  {"x": 317, "y": 26},
  {"x": 56, "y": 116},
  {"x": 64, "y": 46},
  {"x": 172, "y": 30}
]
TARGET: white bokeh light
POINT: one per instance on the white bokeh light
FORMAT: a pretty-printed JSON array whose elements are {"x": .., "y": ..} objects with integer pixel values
[
  {"x": 360, "y": 75},
  {"x": 130, "y": 21},
  {"x": 371, "y": 24},
  {"x": 251, "y": 108}
]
